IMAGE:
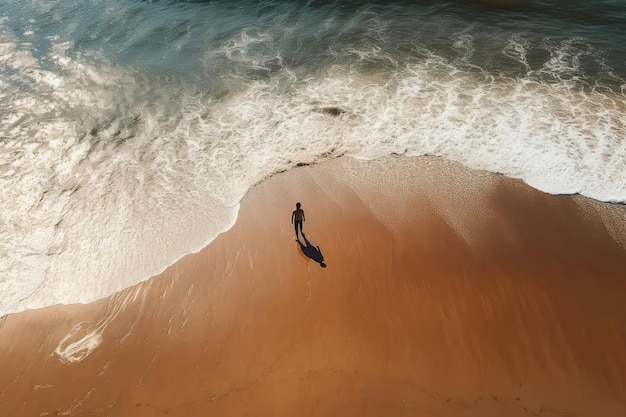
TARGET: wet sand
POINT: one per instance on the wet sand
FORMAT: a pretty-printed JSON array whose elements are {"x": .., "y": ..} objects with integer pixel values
[{"x": 447, "y": 292}]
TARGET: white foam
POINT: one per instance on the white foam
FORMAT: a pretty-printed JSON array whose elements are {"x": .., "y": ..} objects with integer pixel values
[
  {"x": 110, "y": 176},
  {"x": 75, "y": 351},
  {"x": 84, "y": 337}
]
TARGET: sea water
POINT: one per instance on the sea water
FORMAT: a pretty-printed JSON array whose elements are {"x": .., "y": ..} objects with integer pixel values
[{"x": 130, "y": 130}]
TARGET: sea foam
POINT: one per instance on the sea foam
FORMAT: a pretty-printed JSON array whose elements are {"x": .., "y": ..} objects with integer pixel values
[{"x": 111, "y": 175}]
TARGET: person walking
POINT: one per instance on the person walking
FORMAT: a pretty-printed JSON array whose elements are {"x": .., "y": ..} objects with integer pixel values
[{"x": 297, "y": 217}]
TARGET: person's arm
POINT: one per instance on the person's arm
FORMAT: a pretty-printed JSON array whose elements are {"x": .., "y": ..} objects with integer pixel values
[
  {"x": 292, "y": 214},
  {"x": 303, "y": 219}
]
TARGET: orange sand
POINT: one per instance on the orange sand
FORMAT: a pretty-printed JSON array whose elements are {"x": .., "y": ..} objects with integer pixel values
[{"x": 448, "y": 292}]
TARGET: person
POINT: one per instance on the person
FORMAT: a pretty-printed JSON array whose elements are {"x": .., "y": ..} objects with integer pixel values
[{"x": 297, "y": 217}]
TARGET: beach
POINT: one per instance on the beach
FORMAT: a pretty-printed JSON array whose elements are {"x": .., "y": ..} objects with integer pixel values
[
  {"x": 446, "y": 291},
  {"x": 461, "y": 166}
]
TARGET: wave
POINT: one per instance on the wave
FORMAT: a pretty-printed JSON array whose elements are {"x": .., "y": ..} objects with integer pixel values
[{"x": 111, "y": 174}]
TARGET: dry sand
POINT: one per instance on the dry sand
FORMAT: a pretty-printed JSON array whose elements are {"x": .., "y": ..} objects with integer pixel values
[{"x": 447, "y": 292}]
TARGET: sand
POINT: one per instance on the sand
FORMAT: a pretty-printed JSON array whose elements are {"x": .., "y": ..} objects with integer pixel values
[{"x": 446, "y": 292}]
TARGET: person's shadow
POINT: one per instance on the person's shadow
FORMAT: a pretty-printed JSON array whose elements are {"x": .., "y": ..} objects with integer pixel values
[{"x": 311, "y": 251}]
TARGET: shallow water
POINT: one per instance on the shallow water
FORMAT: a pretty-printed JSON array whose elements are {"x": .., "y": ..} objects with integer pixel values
[{"x": 130, "y": 130}]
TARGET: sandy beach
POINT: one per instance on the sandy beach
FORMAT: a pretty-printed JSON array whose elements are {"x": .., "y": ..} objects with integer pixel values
[{"x": 446, "y": 292}]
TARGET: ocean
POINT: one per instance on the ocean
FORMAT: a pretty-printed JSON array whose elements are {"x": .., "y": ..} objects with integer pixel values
[{"x": 130, "y": 130}]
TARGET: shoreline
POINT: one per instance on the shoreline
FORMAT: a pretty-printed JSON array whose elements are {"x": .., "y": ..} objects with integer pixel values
[
  {"x": 447, "y": 291},
  {"x": 594, "y": 204}
]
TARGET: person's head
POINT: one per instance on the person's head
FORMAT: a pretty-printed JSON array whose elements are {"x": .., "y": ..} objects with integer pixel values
[{"x": 298, "y": 205}]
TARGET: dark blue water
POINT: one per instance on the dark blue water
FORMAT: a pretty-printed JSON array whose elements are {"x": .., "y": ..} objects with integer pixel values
[{"x": 179, "y": 38}]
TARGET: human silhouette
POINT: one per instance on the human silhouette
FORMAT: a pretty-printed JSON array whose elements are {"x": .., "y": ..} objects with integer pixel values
[
  {"x": 312, "y": 252},
  {"x": 298, "y": 217}
]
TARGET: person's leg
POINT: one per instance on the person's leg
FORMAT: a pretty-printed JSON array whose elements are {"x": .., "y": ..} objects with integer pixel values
[{"x": 295, "y": 226}]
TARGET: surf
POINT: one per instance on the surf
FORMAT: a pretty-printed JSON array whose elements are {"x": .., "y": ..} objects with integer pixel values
[{"x": 114, "y": 172}]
